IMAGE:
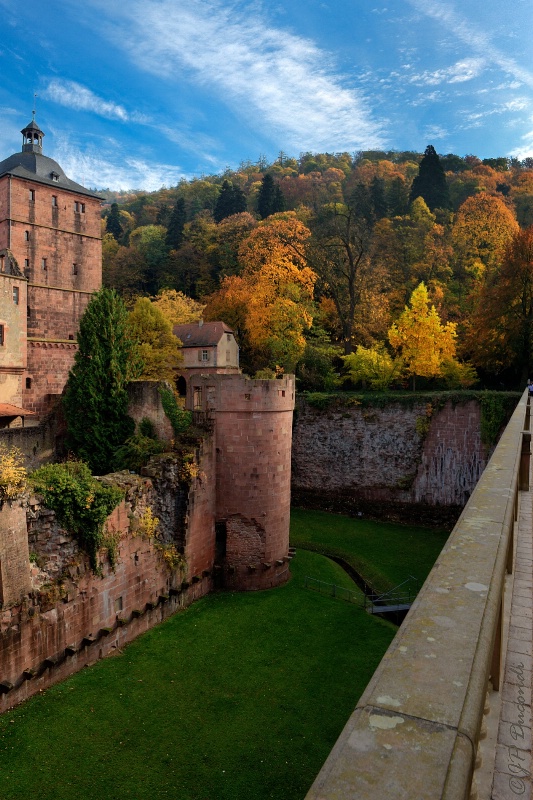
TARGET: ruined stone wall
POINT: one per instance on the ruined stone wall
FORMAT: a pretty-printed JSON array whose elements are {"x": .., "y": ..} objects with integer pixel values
[
  {"x": 36, "y": 442},
  {"x": 145, "y": 401},
  {"x": 72, "y": 617},
  {"x": 396, "y": 454},
  {"x": 14, "y": 556}
]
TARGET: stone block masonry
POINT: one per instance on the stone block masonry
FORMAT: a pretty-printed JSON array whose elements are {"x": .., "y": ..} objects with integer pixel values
[{"x": 411, "y": 457}]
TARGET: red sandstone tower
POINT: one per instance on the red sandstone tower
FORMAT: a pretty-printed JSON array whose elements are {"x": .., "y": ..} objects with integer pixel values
[
  {"x": 51, "y": 227},
  {"x": 252, "y": 436}
]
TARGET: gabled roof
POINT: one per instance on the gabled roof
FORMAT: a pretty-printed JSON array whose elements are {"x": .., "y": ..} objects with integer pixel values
[
  {"x": 38, "y": 168},
  {"x": 207, "y": 334}
]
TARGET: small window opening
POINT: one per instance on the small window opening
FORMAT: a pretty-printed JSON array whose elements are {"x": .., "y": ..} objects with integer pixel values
[
  {"x": 54, "y": 176},
  {"x": 2, "y": 335},
  {"x": 43, "y": 263},
  {"x": 205, "y": 355},
  {"x": 71, "y": 337},
  {"x": 228, "y": 336},
  {"x": 28, "y": 312},
  {"x": 197, "y": 398},
  {"x": 16, "y": 295},
  {"x": 74, "y": 269},
  {"x": 26, "y": 236},
  {"x": 28, "y": 383},
  {"x": 54, "y": 201},
  {"x": 31, "y": 195}
]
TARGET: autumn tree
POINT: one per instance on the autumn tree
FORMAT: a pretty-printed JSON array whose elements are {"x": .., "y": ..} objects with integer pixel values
[
  {"x": 339, "y": 256},
  {"x": 430, "y": 183},
  {"x": 501, "y": 330},
  {"x": 420, "y": 338},
  {"x": 483, "y": 228},
  {"x": 157, "y": 347},
  {"x": 150, "y": 243},
  {"x": 177, "y": 307},
  {"x": 96, "y": 398}
]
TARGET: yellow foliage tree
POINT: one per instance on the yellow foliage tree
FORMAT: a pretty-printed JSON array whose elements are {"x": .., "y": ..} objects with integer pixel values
[
  {"x": 157, "y": 347},
  {"x": 423, "y": 342},
  {"x": 177, "y": 307}
]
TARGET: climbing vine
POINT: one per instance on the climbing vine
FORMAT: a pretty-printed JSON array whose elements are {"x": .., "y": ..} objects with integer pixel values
[
  {"x": 496, "y": 408},
  {"x": 179, "y": 419},
  {"x": 81, "y": 503}
]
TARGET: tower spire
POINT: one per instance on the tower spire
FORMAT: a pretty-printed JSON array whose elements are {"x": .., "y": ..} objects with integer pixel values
[{"x": 32, "y": 137}]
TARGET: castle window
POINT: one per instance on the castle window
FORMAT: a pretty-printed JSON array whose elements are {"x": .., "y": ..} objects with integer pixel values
[
  {"x": 16, "y": 295},
  {"x": 205, "y": 355},
  {"x": 228, "y": 337},
  {"x": 26, "y": 236},
  {"x": 79, "y": 208},
  {"x": 76, "y": 207},
  {"x": 2, "y": 335},
  {"x": 43, "y": 263},
  {"x": 197, "y": 398},
  {"x": 2, "y": 264},
  {"x": 71, "y": 337},
  {"x": 54, "y": 201},
  {"x": 32, "y": 195},
  {"x": 28, "y": 312},
  {"x": 54, "y": 176},
  {"x": 74, "y": 269},
  {"x": 28, "y": 383}
]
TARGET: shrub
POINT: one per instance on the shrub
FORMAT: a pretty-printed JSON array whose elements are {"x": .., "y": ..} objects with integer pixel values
[
  {"x": 81, "y": 503},
  {"x": 12, "y": 473}
]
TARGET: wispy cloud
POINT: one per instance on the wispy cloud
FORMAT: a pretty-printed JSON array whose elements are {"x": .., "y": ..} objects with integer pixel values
[
  {"x": 100, "y": 170},
  {"x": 74, "y": 95},
  {"x": 280, "y": 83},
  {"x": 462, "y": 71},
  {"x": 525, "y": 149},
  {"x": 473, "y": 36}
]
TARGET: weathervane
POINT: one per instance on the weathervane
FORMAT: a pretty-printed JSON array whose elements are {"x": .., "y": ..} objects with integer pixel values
[{"x": 34, "y": 105}]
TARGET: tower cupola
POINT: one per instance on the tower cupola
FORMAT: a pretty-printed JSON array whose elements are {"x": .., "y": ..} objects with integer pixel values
[{"x": 32, "y": 138}]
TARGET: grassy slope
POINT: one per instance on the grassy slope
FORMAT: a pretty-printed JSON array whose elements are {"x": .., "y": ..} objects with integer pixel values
[
  {"x": 240, "y": 697},
  {"x": 384, "y": 553}
]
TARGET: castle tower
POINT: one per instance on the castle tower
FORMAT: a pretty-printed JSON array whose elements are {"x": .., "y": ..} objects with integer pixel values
[
  {"x": 253, "y": 433},
  {"x": 50, "y": 229}
]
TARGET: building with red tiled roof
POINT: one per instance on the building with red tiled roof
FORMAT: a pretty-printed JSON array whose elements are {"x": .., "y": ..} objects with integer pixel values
[{"x": 208, "y": 347}]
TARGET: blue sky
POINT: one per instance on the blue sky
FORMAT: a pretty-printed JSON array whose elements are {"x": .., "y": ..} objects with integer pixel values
[{"x": 139, "y": 93}]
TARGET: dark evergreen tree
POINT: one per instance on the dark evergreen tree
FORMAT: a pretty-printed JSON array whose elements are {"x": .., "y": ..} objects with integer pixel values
[
  {"x": 231, "y": 200},
  {"x": 270, "y": 199},
  {"x": 96, "y": 398},
  {"x": 224, "y": 205},
  {"x": 113, "y": 225},
  {"x": 239, "y": 200},
  {"x": 430, "y": 183},
  {"x": 380, "y": 206},
  {"x": 163, "y": 216},
  {"x": 361, "y": 203},
  {"x": 176, "y": 224}
]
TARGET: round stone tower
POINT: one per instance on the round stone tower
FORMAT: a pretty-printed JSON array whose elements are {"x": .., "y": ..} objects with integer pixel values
[{"x": 253, "y": 433}]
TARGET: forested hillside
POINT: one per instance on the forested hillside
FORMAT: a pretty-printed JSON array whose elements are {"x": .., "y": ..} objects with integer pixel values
[{"x": 384, "y": 267}]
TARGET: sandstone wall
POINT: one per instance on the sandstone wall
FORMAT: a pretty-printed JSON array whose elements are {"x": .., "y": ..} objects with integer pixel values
[
  {"x": 397, "y": 454},
  {"x": 72, "y": 617}
]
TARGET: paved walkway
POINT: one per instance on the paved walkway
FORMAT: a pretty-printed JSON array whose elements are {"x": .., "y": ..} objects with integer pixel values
[
  {"x": 512, "y": 766},
  {"x": 505, "y": 769}
]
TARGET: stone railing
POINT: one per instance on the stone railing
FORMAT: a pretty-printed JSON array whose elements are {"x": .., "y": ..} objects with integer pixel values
[{"x": 415, "y": 732}]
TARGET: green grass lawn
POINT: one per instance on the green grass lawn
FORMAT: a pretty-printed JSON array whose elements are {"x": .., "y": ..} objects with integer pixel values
[
  {"x": 384, "y": 553},
  {"x": 239, "y": 697}
]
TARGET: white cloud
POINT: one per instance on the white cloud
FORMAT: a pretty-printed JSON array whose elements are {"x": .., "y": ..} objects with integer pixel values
[
  {"x": 464, "y": 70},
  {"x": 525, "y": 150},
  {"x": 91, "y": 168},
  {"x": 435, "y": 132},
  {"x": 280, "y": 83},
  {"x": 74, "y": 95},
  {"x": 473, "y": 36}
]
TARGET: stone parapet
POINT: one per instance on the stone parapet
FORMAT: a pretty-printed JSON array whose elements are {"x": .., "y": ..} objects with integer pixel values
[{"x": 416, "y": 728}]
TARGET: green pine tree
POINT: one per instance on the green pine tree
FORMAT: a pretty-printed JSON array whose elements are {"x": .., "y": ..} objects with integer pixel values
[
  {"x": 96, "y": 399},
  {"x": 430, "y": 183},
  {"x": 378, "y": 198},
  {"x": 113, "y": 224},
  {"x": 270, "y": 199},
  {"x": 176, "y": 224},
  {"x": 224, "y": 205}
]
